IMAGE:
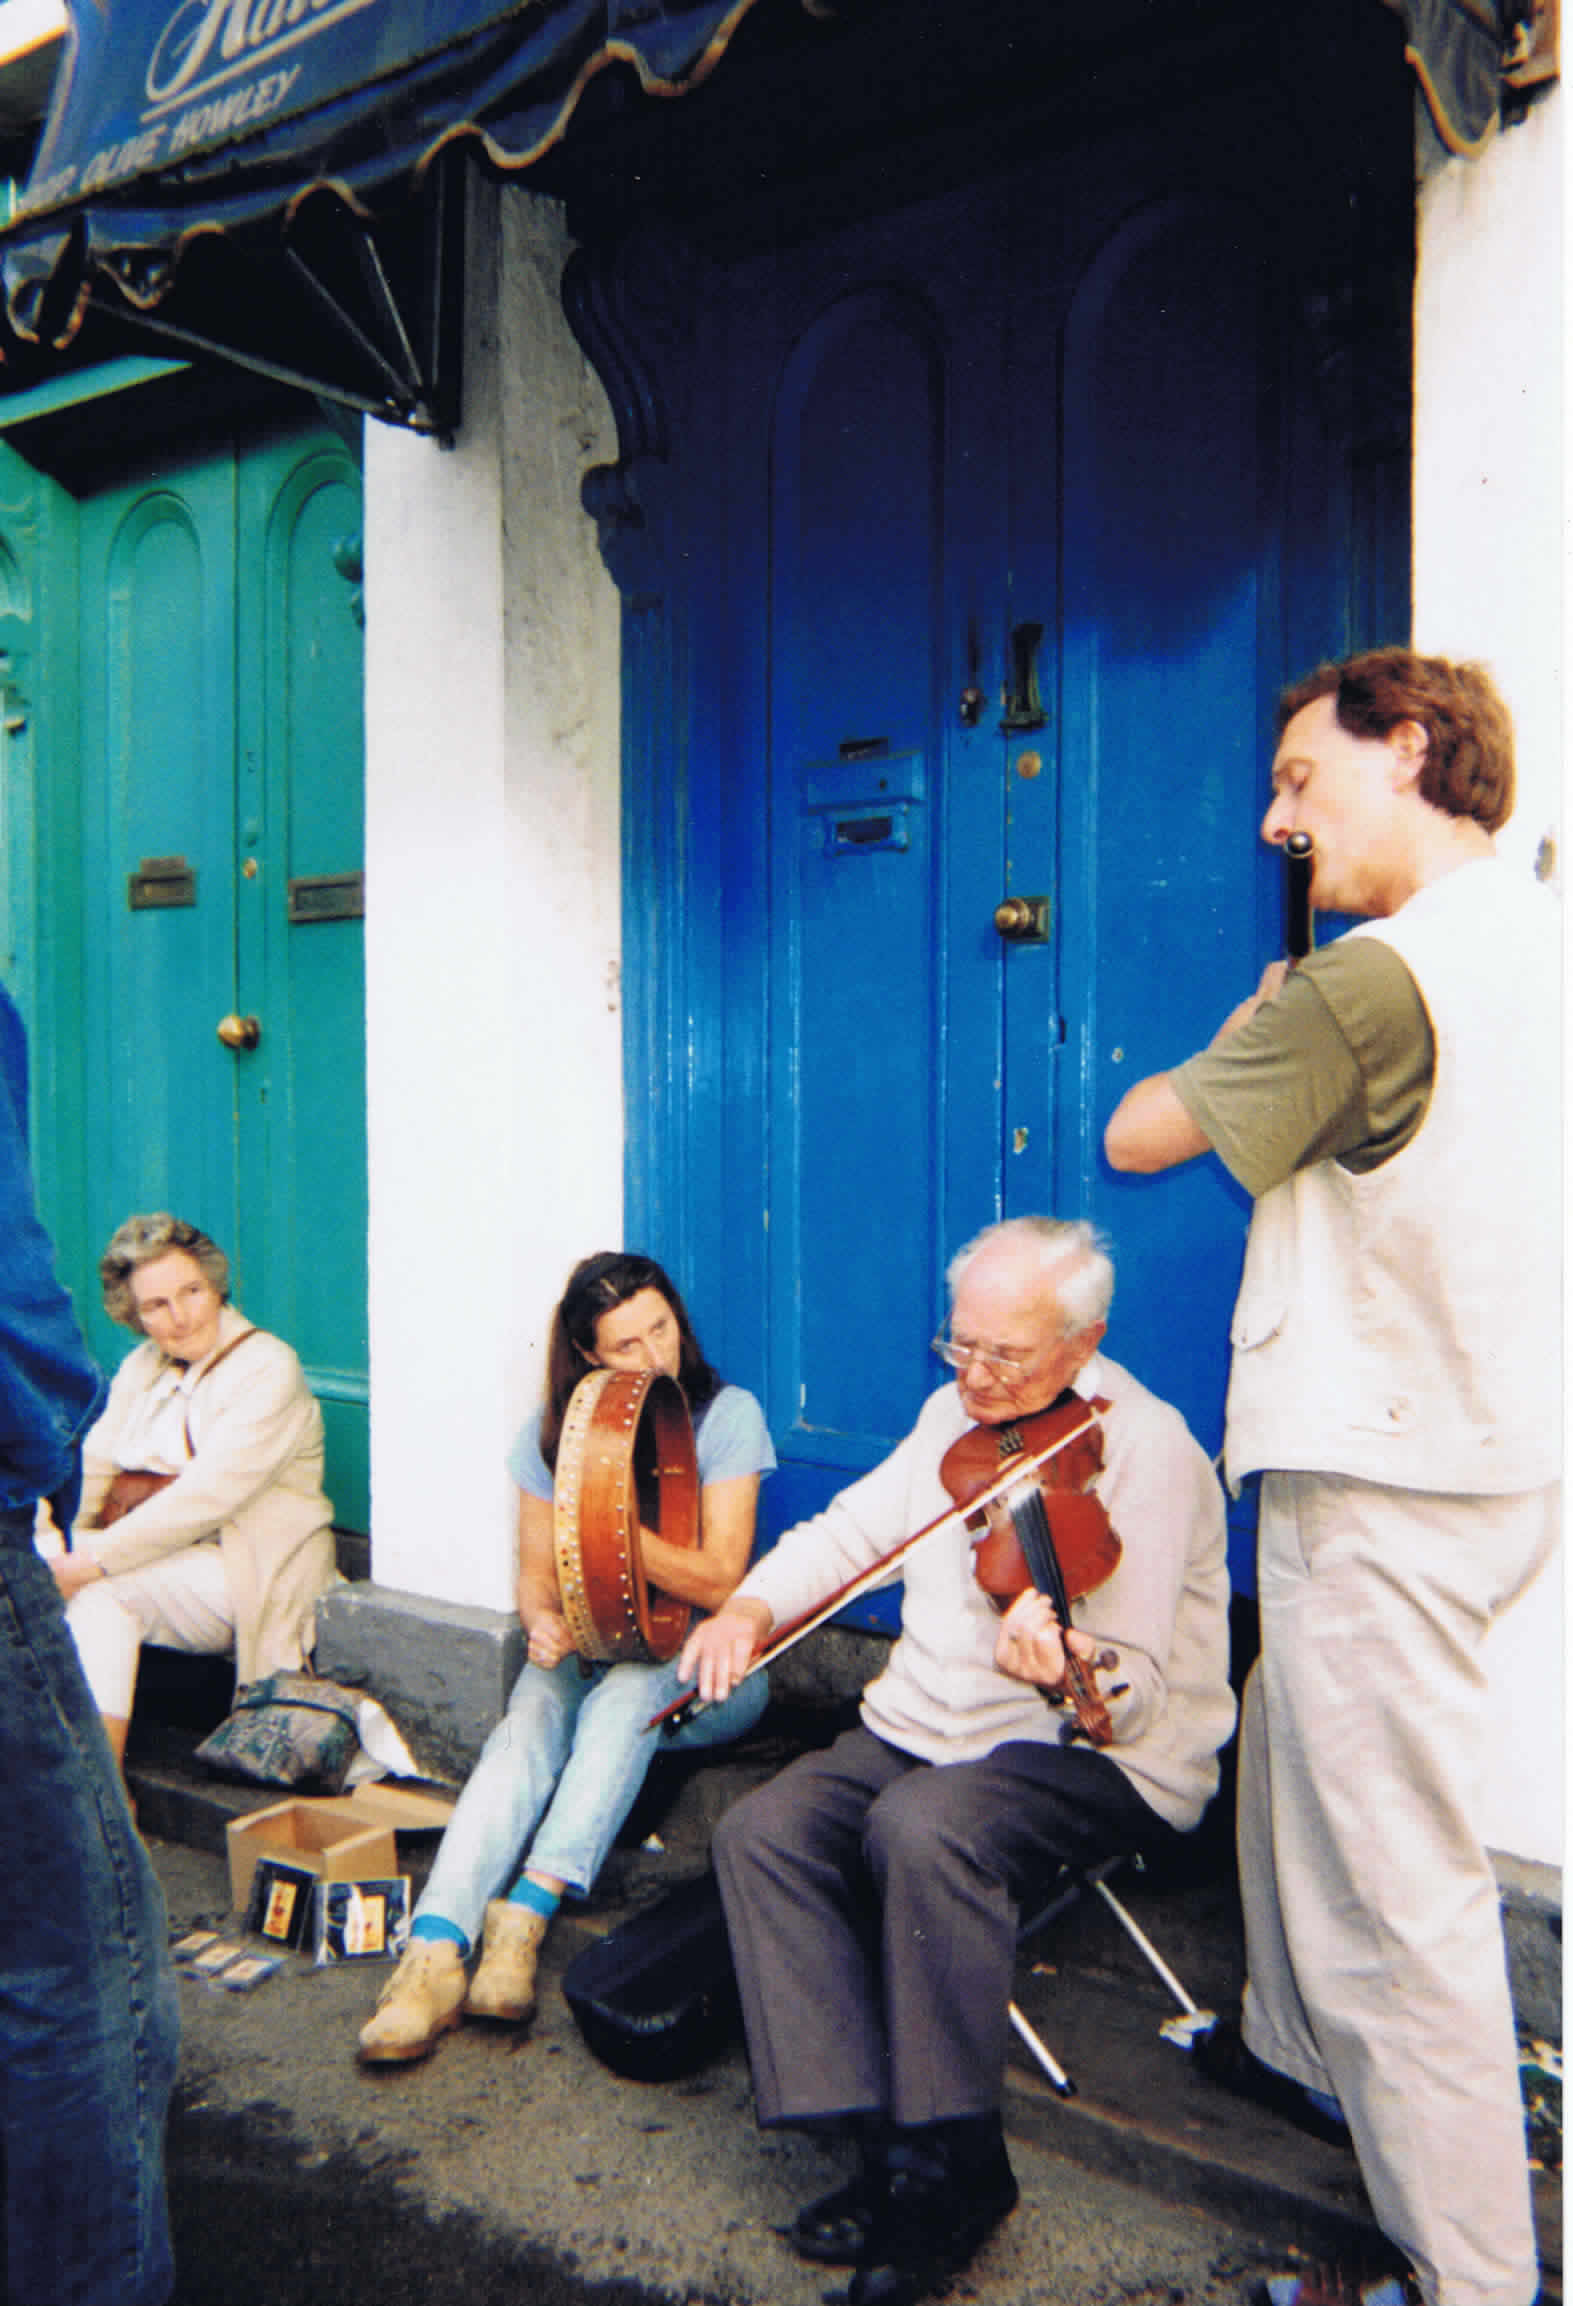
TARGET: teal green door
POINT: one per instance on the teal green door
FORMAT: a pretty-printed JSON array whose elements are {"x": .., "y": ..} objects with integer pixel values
[{"x": 222, "y": 845}]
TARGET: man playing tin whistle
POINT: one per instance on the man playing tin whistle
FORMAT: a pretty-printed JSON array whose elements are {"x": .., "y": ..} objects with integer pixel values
[{"x": 1391, "y": 1106}]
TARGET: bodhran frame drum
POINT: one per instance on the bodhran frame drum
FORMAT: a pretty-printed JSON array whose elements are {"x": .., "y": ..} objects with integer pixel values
[{"x": 625, "y": 1457}]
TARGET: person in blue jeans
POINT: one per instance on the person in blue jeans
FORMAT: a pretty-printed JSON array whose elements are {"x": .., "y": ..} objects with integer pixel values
[
  {"x": 89, "y": 2027},
  {"x": 561, "y": 1770}
]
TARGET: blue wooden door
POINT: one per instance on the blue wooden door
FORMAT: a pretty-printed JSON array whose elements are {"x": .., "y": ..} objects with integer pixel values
[
  {"x": 1021, "y": 508},
  {"x": 222, "y": 777},
  {"x": 885, "y": 984}
]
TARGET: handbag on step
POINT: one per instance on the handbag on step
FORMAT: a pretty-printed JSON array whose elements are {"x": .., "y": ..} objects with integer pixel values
[
  {"x": 129, "y": 1489},
  {"x": 288, "y": 1729}
]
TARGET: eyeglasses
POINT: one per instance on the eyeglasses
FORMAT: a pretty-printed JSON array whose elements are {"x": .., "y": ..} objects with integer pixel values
[{"x": 957, "y": 1356}]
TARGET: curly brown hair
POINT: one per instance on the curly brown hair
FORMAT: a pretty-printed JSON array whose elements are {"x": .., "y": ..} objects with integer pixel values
[
  {"x": 1469, "y": 767},
  {"x": 142, "y": 1240}
]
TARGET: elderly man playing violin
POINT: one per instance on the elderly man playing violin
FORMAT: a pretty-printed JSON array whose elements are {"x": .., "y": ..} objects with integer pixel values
[{"x": 873, "y": 1892}]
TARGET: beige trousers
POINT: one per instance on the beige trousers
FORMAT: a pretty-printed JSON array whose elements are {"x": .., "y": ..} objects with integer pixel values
[
  {"x": 1377, "y": 1968},
  {"x": 181, "y": 1602}
]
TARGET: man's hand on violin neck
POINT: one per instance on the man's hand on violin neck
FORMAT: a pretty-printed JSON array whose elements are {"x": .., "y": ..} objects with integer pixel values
[{"x": 1030, "y": 1646}]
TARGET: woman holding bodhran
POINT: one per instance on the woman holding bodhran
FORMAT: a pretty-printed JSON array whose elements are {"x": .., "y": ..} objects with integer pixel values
[{"x": 562, "y": 1769}]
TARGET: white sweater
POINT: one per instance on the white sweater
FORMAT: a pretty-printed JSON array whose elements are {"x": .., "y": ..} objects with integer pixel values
[{"x": 1164, "y": 1612}]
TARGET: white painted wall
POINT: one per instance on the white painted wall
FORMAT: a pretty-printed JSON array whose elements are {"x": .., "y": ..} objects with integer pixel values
[
  {"x": 1490, "y": 582},
  {"x": 494, "y": 1078},
  {"x": 1490, "y": 526}
]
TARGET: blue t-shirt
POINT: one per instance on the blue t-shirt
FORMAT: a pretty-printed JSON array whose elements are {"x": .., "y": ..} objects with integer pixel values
[{"x": 731, "y": 1439}]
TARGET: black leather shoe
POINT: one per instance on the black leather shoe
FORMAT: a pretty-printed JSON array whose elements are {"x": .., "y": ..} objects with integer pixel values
[
  {"x": 936, "y": 2218},
  {"x": 835, "y": 2230},
  {"x": 1223, "y": 2057}
]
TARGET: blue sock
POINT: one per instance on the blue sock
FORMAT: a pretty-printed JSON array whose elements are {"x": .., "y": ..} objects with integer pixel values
[
  {"x": 539, "y": 1899},
  {"x": 432, "y": 1927}
]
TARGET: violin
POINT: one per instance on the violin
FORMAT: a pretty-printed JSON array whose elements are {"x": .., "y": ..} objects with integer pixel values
[
  {"x": 1011, "y": 1473},
  {"x": 1049, "y": 1531}
]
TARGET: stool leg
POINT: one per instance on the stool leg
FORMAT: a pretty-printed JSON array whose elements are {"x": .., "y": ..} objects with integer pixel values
[
  {"x": 1147, "y": 1947},
  {"x": 1044, "y": 2055}
]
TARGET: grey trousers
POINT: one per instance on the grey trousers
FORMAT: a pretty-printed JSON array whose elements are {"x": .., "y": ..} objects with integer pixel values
[{"x": 873, "y": 1901}]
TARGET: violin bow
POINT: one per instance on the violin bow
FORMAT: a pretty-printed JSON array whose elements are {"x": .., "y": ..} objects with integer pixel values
[{"x": 1012, "y": 1474}]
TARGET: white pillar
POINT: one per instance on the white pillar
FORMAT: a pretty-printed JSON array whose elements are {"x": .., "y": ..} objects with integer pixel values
[
  {"x": 1490, "y": 537},
  {"x": 1490, "y": 545},
  {"x": 494, "y": 1075}
]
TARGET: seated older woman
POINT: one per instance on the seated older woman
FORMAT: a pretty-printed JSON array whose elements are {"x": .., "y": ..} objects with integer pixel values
[{"x": 203, "y": 1523}]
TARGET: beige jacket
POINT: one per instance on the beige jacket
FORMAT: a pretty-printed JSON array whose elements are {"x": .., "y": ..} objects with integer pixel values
[{"x": 254, "y": 1482}]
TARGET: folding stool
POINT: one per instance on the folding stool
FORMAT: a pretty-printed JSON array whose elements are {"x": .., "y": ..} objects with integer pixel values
[{"x": 1071, "y": 1883}]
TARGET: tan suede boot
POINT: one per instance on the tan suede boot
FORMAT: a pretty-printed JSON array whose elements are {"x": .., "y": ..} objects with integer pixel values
[
  {"x": 504, "y": 1985},
  {"x": 418, "y": 2004}
]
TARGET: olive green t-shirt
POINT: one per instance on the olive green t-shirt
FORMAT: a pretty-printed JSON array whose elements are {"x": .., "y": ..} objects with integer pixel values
[{"x": 1337, "y": 1066}]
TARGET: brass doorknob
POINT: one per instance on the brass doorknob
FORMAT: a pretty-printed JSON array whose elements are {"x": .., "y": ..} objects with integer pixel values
[
  {"x": 1023, "y": 920},
  {"x": 239, "y": 1032}
]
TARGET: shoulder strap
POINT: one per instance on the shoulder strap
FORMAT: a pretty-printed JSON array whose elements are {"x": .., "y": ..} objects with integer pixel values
[{"x": 222, "y": 1354}]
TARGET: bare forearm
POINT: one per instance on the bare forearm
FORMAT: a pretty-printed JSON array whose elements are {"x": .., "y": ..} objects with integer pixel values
[
  {"x": 1151, "y": 1129},
  {"x": 688, "y": 1572}
]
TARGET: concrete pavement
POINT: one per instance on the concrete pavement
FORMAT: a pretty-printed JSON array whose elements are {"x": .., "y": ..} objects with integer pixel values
[{"x": 522, "y": 2161}]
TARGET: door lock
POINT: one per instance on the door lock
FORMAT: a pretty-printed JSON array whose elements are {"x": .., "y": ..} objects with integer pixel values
[
  {"x": 239, "y": 1032},
  {"x": 1023, "y": 920},
  {"x": 1023, "y": 698}
]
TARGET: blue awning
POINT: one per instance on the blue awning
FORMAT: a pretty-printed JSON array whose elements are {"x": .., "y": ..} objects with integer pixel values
[
  {"x": 237, "y": 175},
  {"x": 273, "y": 180},
  {"x": 1467, "y": 55}
]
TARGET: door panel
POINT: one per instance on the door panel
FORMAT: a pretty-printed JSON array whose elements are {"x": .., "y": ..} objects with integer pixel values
[
  {"x": 875, "y": 965},
  {"x": 1169, "y": 544},
  {"x": 855, "y": 497},
  {"x": 303, "y": 931},
  {"x": 221, "y": 730},
  {"x": 158, "y": 755}
]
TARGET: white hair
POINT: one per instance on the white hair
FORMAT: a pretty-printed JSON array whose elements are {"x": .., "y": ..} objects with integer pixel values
[{"x": 1072, "y": 1257}]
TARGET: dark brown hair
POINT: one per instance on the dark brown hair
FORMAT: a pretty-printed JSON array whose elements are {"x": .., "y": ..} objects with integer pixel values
[
  {"x": 598, "y": 1285},
  {"x": 1468, "y": 769}
]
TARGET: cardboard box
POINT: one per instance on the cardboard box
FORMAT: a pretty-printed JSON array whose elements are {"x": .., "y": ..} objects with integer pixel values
[
  {"x": 407, "y": 1808},
  {"x": 331, "y": 1838}
]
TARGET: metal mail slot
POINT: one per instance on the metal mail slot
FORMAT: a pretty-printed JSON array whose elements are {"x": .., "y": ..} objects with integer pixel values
[
  {"x": 328, "y": 897},
  {"x": 860, "y": 832},
  {"x": 861, "y": 780},
  {"x": 159, "y": 882}
]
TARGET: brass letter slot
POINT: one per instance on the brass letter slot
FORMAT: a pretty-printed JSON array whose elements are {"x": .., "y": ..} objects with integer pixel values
[
  {"x": 328, "y": 897},
  {"x": 159, "y": 882},
  {"x": 865, "y": 834}
]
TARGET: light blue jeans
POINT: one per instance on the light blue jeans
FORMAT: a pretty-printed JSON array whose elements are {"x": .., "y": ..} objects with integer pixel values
[{"x": 559, "y": 1774}]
